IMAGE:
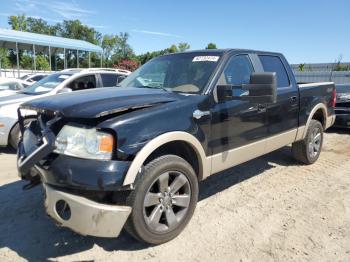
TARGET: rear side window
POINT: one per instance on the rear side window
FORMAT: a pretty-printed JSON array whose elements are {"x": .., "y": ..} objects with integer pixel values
[
  {"x": 109, "y": 80},
  {"x": 274, "y": 64},
  {"x": 83, "y": 83},
  {"x": 37, "y": 78}
]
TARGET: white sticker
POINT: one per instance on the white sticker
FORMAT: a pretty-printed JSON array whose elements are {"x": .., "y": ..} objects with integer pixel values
[
  {"x": 208, "y": 58},
  {"x": 63, "y": 76}
]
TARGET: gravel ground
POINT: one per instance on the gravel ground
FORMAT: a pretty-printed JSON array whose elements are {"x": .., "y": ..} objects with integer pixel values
[{"x": 269, "y": 209}]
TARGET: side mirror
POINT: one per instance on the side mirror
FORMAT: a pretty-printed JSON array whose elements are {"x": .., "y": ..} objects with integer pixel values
[
  {"x": 64, "y": 90},
  {"x": 262, "y": 89}
]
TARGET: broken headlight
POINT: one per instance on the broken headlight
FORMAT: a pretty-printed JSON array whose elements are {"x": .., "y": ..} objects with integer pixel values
[{"x": 84, "y": 143}]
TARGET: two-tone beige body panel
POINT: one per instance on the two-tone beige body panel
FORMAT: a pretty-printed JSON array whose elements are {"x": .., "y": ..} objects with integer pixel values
[
  {"x": 236, "y": 156},
  {"x": 212, "y": 164}
]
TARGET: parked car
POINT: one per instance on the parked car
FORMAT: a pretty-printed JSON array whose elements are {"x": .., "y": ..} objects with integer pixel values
[
  {"x": 32, "y": 78},
  {"x": 342, "y": 109},
  {"x": 132, "y": 156},
  {"x": 61, "y": 82},
  {"x": 10, "y": 86}
]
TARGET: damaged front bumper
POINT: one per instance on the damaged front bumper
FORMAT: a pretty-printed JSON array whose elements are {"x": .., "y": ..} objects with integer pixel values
[
  {"x": 84, "y": 216},
  {"x": 81, "y": 214}
]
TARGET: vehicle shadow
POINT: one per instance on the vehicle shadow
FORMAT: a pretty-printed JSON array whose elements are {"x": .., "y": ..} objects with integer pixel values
[
  {"x": 26, "y": 230},
  {"x": 338, "y": 130},
  {"x": 7, "y": 150}
]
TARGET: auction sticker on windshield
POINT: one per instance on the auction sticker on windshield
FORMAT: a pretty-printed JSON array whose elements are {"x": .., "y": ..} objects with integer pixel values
[{"x": 205, "y": 59}]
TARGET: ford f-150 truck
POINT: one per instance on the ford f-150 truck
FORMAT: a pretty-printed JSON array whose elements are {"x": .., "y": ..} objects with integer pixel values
[{"x": 132, "y": 156}]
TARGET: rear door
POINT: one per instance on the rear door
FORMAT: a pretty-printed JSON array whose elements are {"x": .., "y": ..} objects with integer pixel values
[{"x": 283, "y": 115}]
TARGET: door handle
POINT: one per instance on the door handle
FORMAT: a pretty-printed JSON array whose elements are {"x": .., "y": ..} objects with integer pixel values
[
  {"x": 293, "y": 99},
  {"x": 261, "y": 108}
]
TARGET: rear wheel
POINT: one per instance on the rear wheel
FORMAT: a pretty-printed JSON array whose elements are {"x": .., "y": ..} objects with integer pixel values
[
  {"x": 308, "y": 150},
  {"x": 163, "y": 201}
]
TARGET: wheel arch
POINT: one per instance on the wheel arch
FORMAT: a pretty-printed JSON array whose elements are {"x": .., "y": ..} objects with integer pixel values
[
  {"x": 162, "y": 141},
  {"x": 16, "y": 123},
  {"x": 318, "y": 112}
]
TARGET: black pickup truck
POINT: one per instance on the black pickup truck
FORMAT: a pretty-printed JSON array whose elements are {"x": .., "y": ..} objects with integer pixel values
[{"x": 133, "y": 156}]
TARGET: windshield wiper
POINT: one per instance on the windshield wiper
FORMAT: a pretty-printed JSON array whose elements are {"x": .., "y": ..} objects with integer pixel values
[{"x": 153, "y": 87}]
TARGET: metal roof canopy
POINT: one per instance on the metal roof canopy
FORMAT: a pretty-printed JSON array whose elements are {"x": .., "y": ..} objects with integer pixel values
[
  {"x": 8, "y": 39},
  {"x": 44, "y": 43}
]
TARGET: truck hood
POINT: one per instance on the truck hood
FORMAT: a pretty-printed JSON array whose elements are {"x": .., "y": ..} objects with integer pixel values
[{"x": 101, "y": 102}]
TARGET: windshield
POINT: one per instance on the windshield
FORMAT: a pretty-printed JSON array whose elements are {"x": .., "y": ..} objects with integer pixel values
[
  {"x": 343, "y": 88},
  {"x": 185, "y": 73},
  {"x": 24, "y": 77},
  {"x": 47, "y": 84}
]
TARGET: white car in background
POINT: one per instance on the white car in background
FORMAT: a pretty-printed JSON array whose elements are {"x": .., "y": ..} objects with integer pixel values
[
  {"x": 10, "y": 86},
  {"x": 61, "y": 82},
  {"x": 32, "y": 78}
]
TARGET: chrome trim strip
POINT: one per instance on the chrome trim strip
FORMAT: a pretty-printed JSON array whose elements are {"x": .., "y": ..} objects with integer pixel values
[{"x": 316, "y": 84}]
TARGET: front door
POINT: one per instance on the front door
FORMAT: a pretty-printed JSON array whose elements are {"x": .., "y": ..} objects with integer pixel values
[
  {"x": 238, "y": 127},
  {"x": 282, "y": 117}
]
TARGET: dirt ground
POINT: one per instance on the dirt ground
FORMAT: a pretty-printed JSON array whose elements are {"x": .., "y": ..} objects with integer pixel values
[{"x": 269, "y": 209}]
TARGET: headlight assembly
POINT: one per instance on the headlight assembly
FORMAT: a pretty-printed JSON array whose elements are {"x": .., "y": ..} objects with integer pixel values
[{"x": 84, "y": 143}]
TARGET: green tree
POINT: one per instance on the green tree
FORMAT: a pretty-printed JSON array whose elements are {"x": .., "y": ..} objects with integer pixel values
[
  {"x": 339, "y": 66},
  {"x": 42, "y": 63},
  {"x": 183, "y": 47},
  {"x": 40, "y": 26},
  {"x": 18, "y": 22},
  {"x": 108, "y": 45},
  {"x": 26, "y": 61},
  {"x": 173, "y": 49},
  {"x": 4, "y": 60},
  {"x": 211, "y": 46},
  {"x": 301, "y": 67}
]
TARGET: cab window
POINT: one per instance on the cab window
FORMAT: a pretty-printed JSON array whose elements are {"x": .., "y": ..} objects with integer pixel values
[
  {"x": 274, "y": 64},
  {"x": 237, "y": 72}
]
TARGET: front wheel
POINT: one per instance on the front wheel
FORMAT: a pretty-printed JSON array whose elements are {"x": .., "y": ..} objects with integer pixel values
[
  {"x": 163, "y": 201},
  {"x": 308, "y": 150}
]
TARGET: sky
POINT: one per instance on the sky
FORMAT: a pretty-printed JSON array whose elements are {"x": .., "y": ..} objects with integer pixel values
[{"x": 305, "y": 31}]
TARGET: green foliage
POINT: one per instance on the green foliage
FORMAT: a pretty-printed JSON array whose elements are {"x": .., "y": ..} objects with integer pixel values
[
  {"x": 211, "y": 46},
  {"x": 42, "y": 63},
  {"x": 18, "y": 22},
  {"x": 4, "y": 60},
  {"x": 26, "y": 62},
  {"x": 301, "y": 67},
  {"x": 183, "y": 47},
  {"x": 339, "y": 66}
]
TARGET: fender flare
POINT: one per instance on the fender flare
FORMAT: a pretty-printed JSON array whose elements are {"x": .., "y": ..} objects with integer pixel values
[
  {"x": 311, "y": 115},
  {"x": 151, "y": 146}
]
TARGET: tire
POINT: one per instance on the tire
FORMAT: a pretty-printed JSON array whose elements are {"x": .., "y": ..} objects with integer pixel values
[
  {"x": 15, "y": 134},
  {"x": 307, "y": 151},
  {"x": 152, "y": 220}
]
